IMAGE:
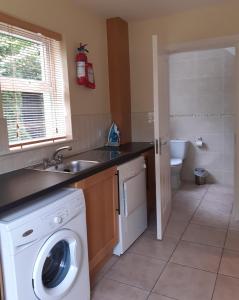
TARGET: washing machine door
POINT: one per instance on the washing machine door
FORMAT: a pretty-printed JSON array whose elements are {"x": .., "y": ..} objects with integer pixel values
[{"x": 57, "y": 265}]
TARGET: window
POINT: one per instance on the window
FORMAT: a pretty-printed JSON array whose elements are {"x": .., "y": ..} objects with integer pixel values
[{"x": 32, "y": 86}]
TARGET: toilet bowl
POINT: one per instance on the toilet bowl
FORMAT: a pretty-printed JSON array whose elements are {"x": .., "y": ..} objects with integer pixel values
[{"x": 178, "y": 150}]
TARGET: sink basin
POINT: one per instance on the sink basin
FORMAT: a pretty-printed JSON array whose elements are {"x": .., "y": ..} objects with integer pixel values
[{"x": 73, "y": 166}]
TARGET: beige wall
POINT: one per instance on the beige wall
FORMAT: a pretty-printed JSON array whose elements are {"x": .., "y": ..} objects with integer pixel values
[
  {"x": 212, "y": 22},
  {"x": 90, "y": 108},
  {"x": 202, "y": 94}
]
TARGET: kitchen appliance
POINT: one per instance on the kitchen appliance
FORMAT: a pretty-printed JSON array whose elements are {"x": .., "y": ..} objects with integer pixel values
[
  {"x": 132, "y": 203},
  {"x": 113, "y": 136},
  {"x": 44, "y": 249}
]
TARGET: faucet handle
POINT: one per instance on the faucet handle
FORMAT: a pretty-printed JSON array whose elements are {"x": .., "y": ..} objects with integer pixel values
[
  {"x": 59, "y": 158},
  {"x": 46, "y": 162}
]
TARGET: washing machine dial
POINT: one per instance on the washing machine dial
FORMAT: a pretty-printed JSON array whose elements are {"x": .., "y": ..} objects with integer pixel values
[{"x": 58, "y": 220}]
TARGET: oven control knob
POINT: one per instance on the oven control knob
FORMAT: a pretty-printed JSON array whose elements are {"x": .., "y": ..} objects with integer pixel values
[{"x": 58, "y": 220}]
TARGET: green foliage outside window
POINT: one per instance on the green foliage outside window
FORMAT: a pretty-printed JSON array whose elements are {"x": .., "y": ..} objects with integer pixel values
[{"x": 20, "y": 58}]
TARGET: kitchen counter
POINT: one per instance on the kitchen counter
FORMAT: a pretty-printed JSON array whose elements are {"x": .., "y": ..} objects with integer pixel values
[{"x": 24, "y": 185}]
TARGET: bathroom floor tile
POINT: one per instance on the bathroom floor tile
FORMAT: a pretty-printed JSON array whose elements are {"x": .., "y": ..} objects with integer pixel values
[
  {"x": 154, "y": 248},
  {"x": 205, "y": 235},
  {"x": 183, "y": 200},
  {"x": 158, "y": 297},
  {"x": 230, "y": 263},
  {"x": 175, "y": 229},
  {"x": 227, "y": 288},
  {"x": 108, "y": 289},
  {"x": 203, "y": 257},
  {"x": 211, "y": 218},
  {"x": 219, "y": 197},
  {"x": 181, "y": 215},
  {"x": 234, "y": 225},
  {"x": 184, "y": 283},
  {"x": 136, "y": 270},
  {"x": 232, "y": 241},
  {"x": 221, "y": 189}
]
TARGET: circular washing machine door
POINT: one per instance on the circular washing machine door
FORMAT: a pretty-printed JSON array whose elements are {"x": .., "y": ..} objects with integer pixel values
[{"x": 57, "y": 265}]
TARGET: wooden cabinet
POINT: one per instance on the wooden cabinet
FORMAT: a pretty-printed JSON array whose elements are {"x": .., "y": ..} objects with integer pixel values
[
  {"x": 150, "y": 181},
  {"x": 119, "y": 76},
  {"x": 101, "y": 197}
]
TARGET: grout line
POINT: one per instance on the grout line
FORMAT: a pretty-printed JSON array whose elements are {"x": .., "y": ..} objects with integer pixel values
[
  {"x": 178, "y": 242},
  {"x": 223, "y": 249}
]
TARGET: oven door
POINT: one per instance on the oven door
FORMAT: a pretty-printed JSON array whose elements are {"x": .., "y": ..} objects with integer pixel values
[
  {"x": 134, "y": 192},
  {"x": 57, "y": 265}
]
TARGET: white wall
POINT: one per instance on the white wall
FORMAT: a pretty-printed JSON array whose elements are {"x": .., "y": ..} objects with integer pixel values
[
  {"x": 202, "y": 95},
  {"x": 217, "y": 21}
]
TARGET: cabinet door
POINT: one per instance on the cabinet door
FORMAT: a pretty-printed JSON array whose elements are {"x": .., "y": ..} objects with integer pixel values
[{"x": 101, "y": 197}]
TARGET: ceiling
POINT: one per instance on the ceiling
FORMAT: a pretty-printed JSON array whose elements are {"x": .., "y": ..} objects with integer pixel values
[{"x": 143, "y": 9}]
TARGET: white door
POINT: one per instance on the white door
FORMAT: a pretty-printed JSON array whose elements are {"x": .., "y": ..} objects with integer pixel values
[{"x": 161, "y": 133}]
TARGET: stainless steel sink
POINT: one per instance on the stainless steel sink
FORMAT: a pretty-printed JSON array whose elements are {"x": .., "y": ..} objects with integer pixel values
[{"x": 73, "y": 166}]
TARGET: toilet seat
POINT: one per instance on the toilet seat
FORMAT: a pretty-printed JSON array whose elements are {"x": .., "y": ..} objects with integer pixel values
[{"x": 175, "y": 161}]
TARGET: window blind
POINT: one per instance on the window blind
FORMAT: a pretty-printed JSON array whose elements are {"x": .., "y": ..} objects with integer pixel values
[{"x": 32, "y": 86}]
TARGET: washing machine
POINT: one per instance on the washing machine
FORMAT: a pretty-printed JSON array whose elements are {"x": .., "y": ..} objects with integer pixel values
[{"x": 44, "y": 249}]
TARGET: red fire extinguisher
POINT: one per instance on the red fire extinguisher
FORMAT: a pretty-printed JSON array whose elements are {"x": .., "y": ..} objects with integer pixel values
[
  {"x": 81, "y": 61},
  {"x": 85, "y": 73}
]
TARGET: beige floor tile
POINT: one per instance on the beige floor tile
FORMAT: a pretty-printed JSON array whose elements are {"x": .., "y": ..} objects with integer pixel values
[
  {"x": 180, "y": 215},
  {"x": 154, "y": 248},
  {"x": 234, "y": 224},
  {"x": 188, "y": 192},
  {"x": 216, "y": 206},
  {"x": 194, "y": 188},
  {"x": 184, "y": 283},
  {"x": 188, "y": 203},
  {"x": 104, "y": 269},
  {"x": 222, "y": 189},
  {"x": 230, "y": 263},
  {"x": 175, "y": 229},
  {"x": 203, "y": 257},
  {"x": 227, "y": 288},
  {"x": 205, "y": 235},
  {"x": 158, "y": 297},
  {"x": 232, "y": 241},
  {"x": 112, "y": 290},
  {"x": 136, "y": 270},
  {"x": 219, "y": 197},
  {"x": 210, "y": 218}
]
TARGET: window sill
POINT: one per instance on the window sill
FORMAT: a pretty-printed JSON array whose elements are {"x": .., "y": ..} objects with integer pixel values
[{"x": 36, "y": 147}]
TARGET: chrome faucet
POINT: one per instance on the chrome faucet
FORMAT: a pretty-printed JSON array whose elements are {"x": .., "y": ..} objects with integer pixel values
[
  {"x": 56, "y": 157},
  {"x": 59, "y": 157}
]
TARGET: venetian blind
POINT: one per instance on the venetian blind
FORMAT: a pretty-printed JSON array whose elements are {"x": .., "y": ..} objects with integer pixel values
[{"x": 32, "y": 87}]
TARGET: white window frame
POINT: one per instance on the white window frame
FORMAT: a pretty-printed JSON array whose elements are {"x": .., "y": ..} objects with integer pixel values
[{"x": 36, "y": 86}]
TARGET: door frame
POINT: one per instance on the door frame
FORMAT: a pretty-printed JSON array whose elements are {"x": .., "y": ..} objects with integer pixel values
[{"x": 206, "y": 44}]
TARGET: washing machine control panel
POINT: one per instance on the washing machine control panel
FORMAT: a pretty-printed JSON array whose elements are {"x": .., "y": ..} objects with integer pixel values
[{"x": 62, "y": 215}]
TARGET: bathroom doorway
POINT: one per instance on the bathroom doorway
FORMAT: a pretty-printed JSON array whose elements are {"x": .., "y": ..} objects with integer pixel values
[
  {"x": 202, "y": 111},
  {"x": 218, "y": 137}
]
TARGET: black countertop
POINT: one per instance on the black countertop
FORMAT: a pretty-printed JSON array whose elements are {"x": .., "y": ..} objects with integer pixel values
[{"x": 25, "y": 185}]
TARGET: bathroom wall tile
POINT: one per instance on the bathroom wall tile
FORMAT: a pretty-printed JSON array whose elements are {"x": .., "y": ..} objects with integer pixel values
[
  {"x": 142, "y": 127},
  {"x": 89, "y": 131},
  {"x": 203, "y": 104},
  {"x": 183, "y": 69},
  {"x": 210, "y": 67},
  {"x": 229, "y": 124},
  {"x": 211, "y": 53}
]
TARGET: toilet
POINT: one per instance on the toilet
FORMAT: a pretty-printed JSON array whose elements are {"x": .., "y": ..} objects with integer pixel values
[{"x": 178, "y": 150}]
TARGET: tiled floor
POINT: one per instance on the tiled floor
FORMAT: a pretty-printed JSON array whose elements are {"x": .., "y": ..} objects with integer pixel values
[{"x": 198, "y": 258}]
